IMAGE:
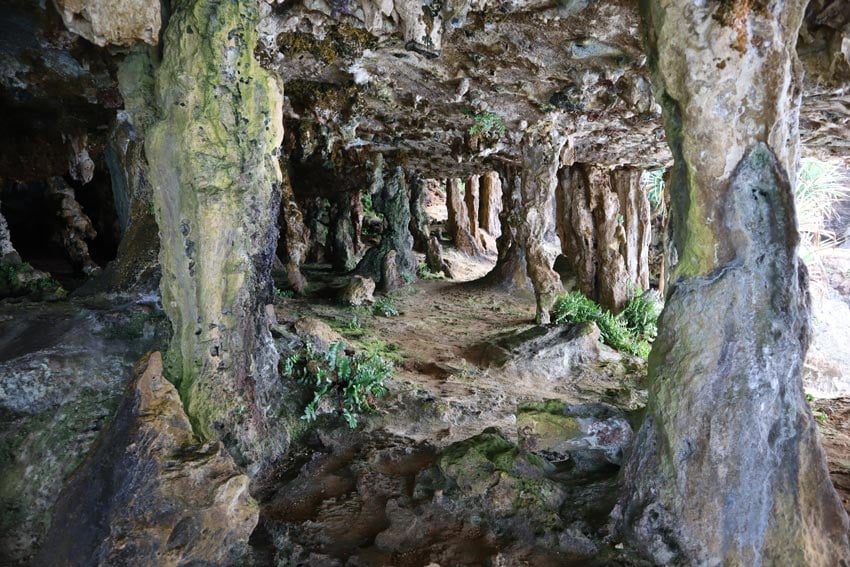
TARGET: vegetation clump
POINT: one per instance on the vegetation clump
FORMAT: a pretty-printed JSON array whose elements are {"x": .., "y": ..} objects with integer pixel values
[
  {"x": 385, "y": 307},
  {"x": 354, "y": 381},
  {"x": 486, "y": 122},
  {"x": 631, "y": 331}
]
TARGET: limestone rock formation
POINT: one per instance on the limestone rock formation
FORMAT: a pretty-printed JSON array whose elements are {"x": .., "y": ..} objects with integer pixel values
[
  {"x": 459, "y": 226},
  {"x": 358, "y": 291},
  {"x": 151, "y": 493},
  {"x": 727, "y": 467},
  {"x": 122, "y": 22},
  {"x": 216, "y": 185},
  {"x": 603, "y": 223},
  {"x": 541, "y": 154}
]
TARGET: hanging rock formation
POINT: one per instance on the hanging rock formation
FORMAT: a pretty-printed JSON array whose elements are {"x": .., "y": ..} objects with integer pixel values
[
  {"x": 75, "y": 226},
  {"x": 603, "y": 223},
  {"x": 8, "y": 254},
  {"x": 727, "y": 468},
  {"x": 216, "y": 181},
  {"x": 510, "y": 272},
  {"x": 116, "y": 22},
  {"x": 541, "y": 152},
  {"x": 458, "y": 224},
  {"x": 392, "y": 198}
]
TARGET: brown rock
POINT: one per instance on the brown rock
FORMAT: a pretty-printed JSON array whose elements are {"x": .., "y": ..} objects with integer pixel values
[
  {"x": 116, "y": 22},
  {"x": 317, "y": 332},
  {"x": 491, "y": 203},
  {"x": 151, "y": 493},
  {"x": 358, "y": 291},
  {"x": 458, "y": 222}
]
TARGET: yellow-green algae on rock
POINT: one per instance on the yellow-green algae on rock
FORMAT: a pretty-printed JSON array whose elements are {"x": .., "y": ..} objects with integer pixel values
[{"x": 214, "y": 167}]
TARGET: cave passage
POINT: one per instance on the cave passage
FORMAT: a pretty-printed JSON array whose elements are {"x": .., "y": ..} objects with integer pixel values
[{"x": 422, "y": 284}]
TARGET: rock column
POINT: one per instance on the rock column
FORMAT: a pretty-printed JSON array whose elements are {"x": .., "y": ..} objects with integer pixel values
[
  {"x": 510, "y": 272},
  {"x": 727, "y": 468},
  {"x": 541, "y": 150},
  {"x": 418, "y": 219},
  {"x": 458, "y": 222},
  {"x": 294, "y": 236},
  {"x": 216, "y": 184},
  {"x": 603, "y": 224},
  {"x": 491, "y": 199}
]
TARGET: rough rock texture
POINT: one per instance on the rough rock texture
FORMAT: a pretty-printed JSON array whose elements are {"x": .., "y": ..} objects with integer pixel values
[
  {"x": 216, "y": 185},
  {"x": 458, "y": 225},
  {"x": 75, "y": 226},
  {"x": 603, "y": 223},
  {"x": 358, "y": 291},
  {"x": 541, "y": 154},
  {"x": 471, "y": 198},
  {"x": 294, "y": 237},
  {"x": 434, "y": 257},
  {"x": 727, "y": 467},
  {"x": 510, "y": 271},
  {"x": 491, "y": 203},
  {"x": 589, "y": 437},
  {"x": 116, "y": 22},
  {"x": 151, "y": 493},
  {"x": 63, "y": 370},
  {"x": 392, "y": 198}
]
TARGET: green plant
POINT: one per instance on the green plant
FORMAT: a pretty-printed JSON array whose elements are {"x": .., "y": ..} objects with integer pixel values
[
  {"x": 652, "y": 181},
  {"x": 425, "y": 273},
  {"x": 283, "y": 293},
  {"x": 486, "y": 122},
  {"x": 354, "y": 380},
  {"x": 641, "y": 315},
  {"x": 615, "y": 330},
  {"x": 820, "y": 185},
  {"x": 385, "y": 307},
  {"x": 408, "y": 278}
]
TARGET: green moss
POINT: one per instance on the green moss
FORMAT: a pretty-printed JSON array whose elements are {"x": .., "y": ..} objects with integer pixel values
[{"x": 341, "y": 41}]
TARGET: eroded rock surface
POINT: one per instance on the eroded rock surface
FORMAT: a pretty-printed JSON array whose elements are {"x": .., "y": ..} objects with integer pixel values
[{"x": 151, "y": 493}]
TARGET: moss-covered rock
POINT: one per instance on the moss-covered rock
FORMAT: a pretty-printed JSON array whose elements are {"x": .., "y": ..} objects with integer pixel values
[{"x": 215, "y": 176}]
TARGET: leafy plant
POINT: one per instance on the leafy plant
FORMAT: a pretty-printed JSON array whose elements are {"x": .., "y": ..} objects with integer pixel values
[
  {"x": 652, "y": 181},
  {"x": 283, "y": 293},
  {"x": 820, "y": 185},
  {"x": 625, "y": 333},
  {"x": 385, "y": 307},
  {"x": 486, "y": 122},
  {"x": 641, "y": 316},
  {"x": 355, "y": 381},
  {"x": 425, "y": 273}
]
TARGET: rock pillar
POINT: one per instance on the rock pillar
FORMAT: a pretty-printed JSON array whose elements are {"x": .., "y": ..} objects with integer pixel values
[
  {"x": 458, "y": 221},
  {"x": 603, "y": 224},
  {"x": 727, "y": 468},
  {"x": 541, "y": 149},
  {"x": 471, "y": 200},
  {"x": 294, "y": 236},
  {"x": 510, "y": 272},
  {"x": 418, "y": 219},
  {"x": 491, "y": 199},
  {"x": 216, "y": 184}
]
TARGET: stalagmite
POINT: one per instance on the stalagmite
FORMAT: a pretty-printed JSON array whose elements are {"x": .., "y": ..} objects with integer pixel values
[
  {"x": 391, "y": 197},
  {"x": 8, "y": 254},
  {"x": 727, "y": 468},
  {"x": 603, "y": 224},
  {"x": 341, "y": 234},
  {"x": 458, "y": 222},
  {"x": 216, "y": 180},
  {"x": 541, "y": 149}
]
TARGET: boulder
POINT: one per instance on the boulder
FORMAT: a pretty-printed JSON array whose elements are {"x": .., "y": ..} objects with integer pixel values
[
  {"x": 358, "y": 291},
  {"x": 590, "y": 437},
  {"x": 151, "y": 492},
  {"x": 319, "y": 333}
]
